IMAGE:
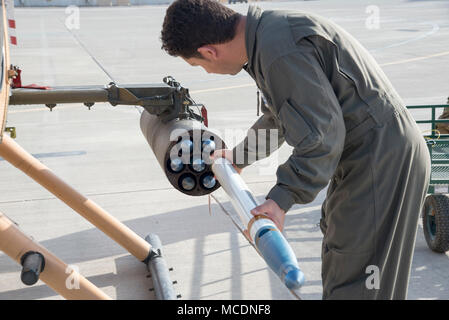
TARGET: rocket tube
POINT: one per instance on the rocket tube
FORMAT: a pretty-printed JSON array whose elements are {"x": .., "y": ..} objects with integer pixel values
[
  {"x": 177, "y": 146},
  {"x": 269, "y": 241}
]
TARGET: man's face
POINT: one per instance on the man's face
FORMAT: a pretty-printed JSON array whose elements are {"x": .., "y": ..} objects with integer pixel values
[{"x": 214, "y": 66}]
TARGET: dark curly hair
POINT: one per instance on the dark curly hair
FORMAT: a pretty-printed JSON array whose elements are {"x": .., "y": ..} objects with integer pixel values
[{"x": 190, "y": 24}]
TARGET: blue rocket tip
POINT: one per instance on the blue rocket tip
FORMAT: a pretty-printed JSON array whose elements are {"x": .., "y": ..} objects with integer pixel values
[
  {"x": 294, "y": 279},
  {"x": 278, "y": 254}
]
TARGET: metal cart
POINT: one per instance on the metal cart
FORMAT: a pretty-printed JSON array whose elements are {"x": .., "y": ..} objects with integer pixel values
[{"x": 435, "y": 212}]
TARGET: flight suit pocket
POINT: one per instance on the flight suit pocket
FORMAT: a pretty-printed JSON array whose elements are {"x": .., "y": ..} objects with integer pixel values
[
  {"x": 330, "y": 189},
  {"x": 343, "y": 274},
  {"x": 297, "y": 131}
]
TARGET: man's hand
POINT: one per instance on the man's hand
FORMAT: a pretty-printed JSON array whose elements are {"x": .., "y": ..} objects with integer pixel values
[
  {"x": 227, "y": 154},
  {"x": 271, "y": 209}
]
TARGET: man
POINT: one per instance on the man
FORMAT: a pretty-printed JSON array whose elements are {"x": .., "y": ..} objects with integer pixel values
[{"x": 333, "y": 104}]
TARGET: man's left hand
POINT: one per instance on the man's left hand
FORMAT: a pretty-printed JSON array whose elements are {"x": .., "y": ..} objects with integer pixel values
[{"x": 271, "y": 209}]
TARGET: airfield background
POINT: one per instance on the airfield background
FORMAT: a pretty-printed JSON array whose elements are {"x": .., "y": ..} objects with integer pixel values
[{"x": 103, "y": 154}]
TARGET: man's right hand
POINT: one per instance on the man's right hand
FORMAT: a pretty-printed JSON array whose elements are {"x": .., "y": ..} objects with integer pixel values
[{"x": 227, "y": 154}]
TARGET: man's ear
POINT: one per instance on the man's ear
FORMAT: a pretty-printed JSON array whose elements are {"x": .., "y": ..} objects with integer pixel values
[{"x": 209, "y": 52}]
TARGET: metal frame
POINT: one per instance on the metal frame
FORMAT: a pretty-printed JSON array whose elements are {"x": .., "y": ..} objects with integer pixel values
[
  {"x": 435, "y": 140},
  {"x": 16, "y": 244},
  {"x": 168, "y": 101},
  {"x": 55, "y": 273}
]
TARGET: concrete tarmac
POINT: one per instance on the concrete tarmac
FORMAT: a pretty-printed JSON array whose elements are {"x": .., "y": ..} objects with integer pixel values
[{"x": 103, "y": 154}]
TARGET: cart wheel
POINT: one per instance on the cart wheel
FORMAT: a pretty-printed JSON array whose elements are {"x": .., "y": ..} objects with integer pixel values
[{"x": 436, "y": 222}]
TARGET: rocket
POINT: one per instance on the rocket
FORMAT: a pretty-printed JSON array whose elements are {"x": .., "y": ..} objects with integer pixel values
[{"x": 267, "y": 238}]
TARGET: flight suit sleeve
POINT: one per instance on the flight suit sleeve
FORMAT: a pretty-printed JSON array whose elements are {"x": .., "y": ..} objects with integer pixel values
[
  {"x": 263, "y": 138},
  {"x": 312, "y": 122}
]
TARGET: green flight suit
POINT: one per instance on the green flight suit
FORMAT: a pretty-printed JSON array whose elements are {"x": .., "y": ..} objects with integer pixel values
[{"x": 330, "y": 100}]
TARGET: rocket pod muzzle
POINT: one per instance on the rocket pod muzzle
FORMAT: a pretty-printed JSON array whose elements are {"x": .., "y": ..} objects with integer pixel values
[{"x": 183, "y": 148}]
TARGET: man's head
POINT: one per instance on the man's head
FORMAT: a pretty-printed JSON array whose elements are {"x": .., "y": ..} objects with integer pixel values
[{"x": 205, "y": 33}]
